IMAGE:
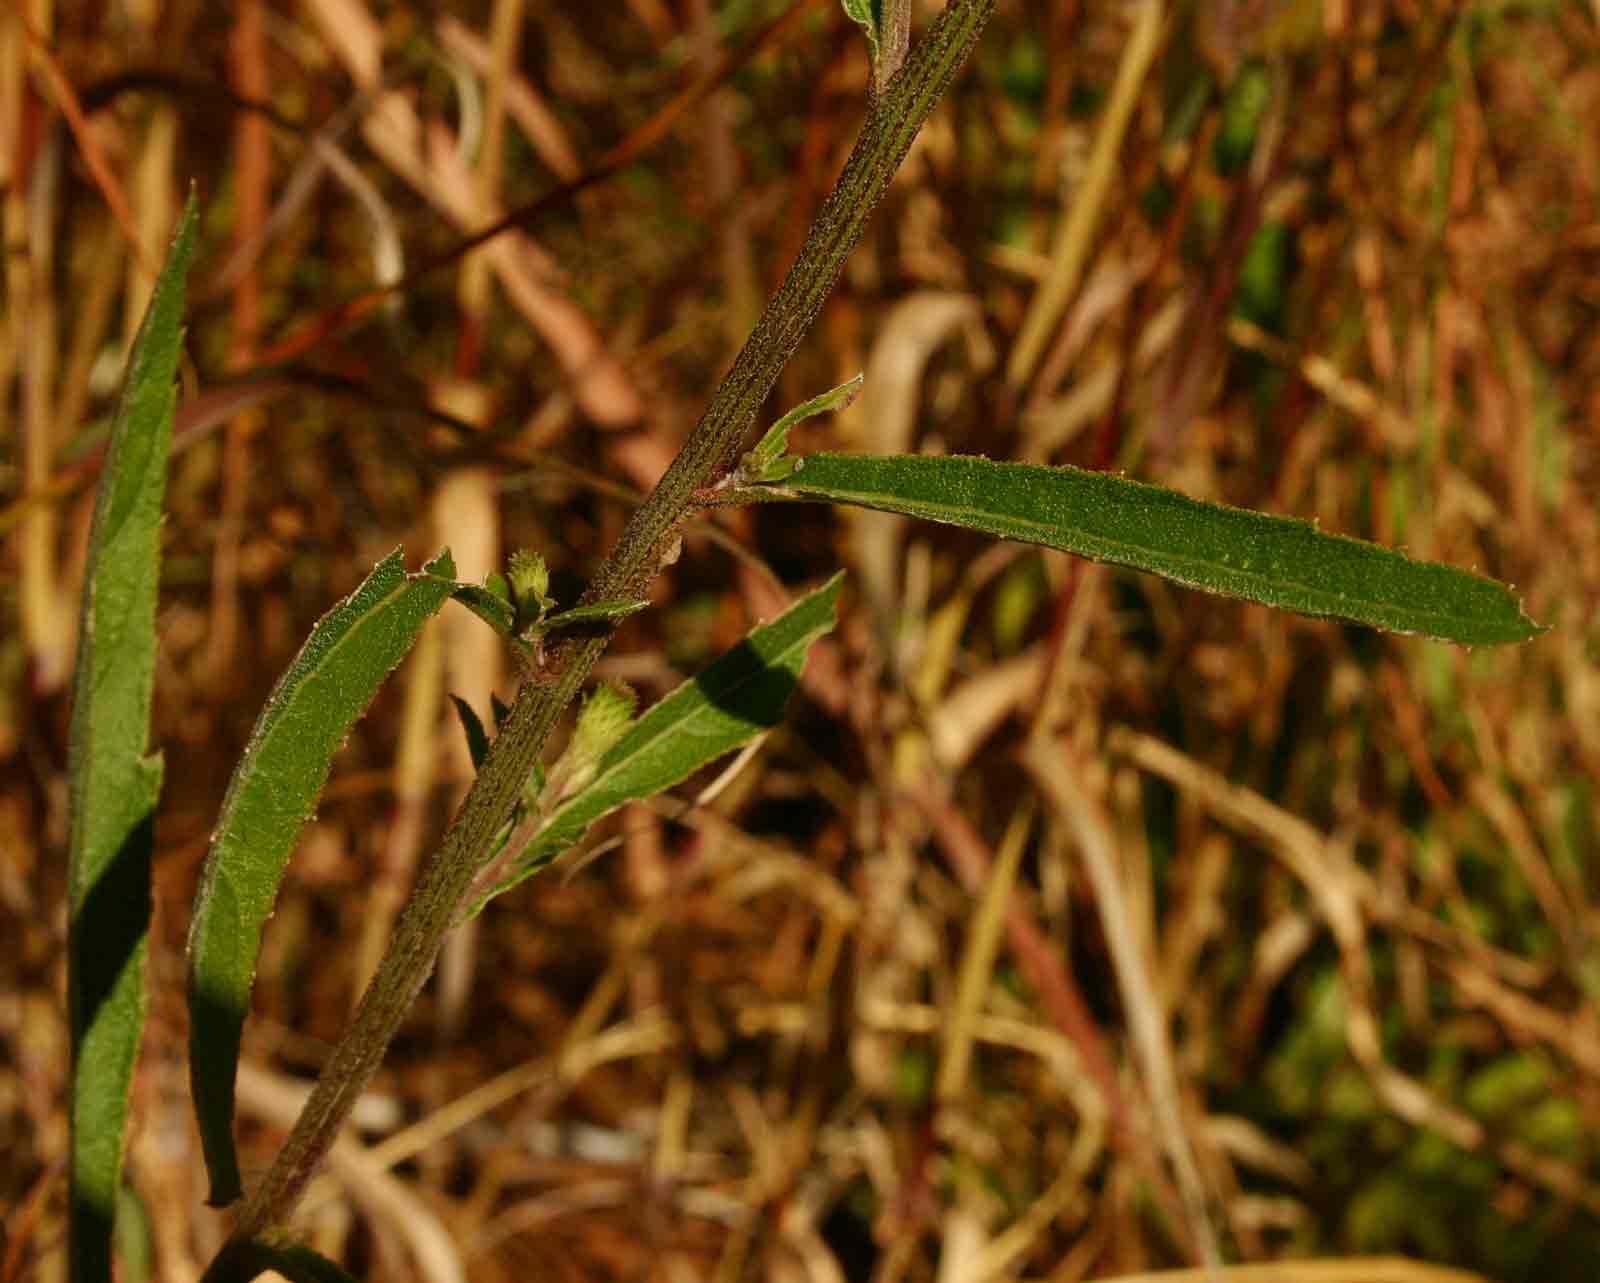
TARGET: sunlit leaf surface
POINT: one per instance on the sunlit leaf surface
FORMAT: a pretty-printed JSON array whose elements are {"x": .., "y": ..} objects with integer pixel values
[
  {"x": 1277, "y": 561},
  {"x": 270, "y": 798},
  {"x": 114, "y": 785}
]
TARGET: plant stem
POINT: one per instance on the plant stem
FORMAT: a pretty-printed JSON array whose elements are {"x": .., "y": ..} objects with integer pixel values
[
  {"x": 708, "y": 453},
  {"x": 894, "y": 38}
]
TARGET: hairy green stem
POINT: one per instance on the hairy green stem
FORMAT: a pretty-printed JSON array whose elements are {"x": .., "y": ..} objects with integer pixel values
[{"x": 707, "y": 454}]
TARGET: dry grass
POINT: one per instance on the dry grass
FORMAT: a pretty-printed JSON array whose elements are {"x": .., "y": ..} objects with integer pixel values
[{"x": 1074, "y": 926}]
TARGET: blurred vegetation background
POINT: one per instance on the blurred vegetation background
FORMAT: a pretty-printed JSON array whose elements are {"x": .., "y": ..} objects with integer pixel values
[{"x": 860, "y": 1007}]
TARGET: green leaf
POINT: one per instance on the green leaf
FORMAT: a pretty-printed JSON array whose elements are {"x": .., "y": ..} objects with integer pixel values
[
  {"x": 274, "y": 787},
  {"x": 766, "y": 462},
  {"x": 500, "y": 586},
  {"x": 488, "y": 606},
  {"x": 472, "y": 725},
  {"x": 596, "y": 612},
  {"x": 114, "y": 786},
  {"x": 1277, "y": 561},
  {"x": 505, "y": 618},
  {"x": 864, "y": 14},
  {"x": 738, "y": 697}
]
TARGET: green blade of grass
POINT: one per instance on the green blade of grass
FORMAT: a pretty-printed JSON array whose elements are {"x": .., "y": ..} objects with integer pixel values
[
  {"x": 1276, "y": 561},
  {"x": 736, "y": 698},
  {"x": 114, "y": 785},
  {"x": 270, "y": 797}
]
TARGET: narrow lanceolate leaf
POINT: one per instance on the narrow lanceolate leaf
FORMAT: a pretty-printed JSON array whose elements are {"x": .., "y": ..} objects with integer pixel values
[
  {"x": 738, "y": 697},
  {"x": 496, "y": 611},
  {"x": 1277, "y": 561},
  {"x": 113, "y": 784},
  {"x": 285, "y": 764}
]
